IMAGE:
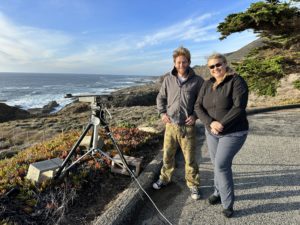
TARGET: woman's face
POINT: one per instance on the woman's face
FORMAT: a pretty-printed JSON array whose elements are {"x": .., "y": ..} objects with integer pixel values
[
  {"x": 217, "y": 68},
  {"x": 181, "y": 63}
]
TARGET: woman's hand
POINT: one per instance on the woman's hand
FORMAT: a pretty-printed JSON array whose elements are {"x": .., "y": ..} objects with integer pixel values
[
  {"x": 165, "y": 118},
  {"x": 216, "y": 127},
  {"x": 213, "y": 131},
  {"x": 190, "y": 120}
]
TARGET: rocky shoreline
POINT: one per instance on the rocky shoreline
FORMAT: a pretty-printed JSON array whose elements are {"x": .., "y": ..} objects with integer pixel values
[{"x": 144, "y": 95}]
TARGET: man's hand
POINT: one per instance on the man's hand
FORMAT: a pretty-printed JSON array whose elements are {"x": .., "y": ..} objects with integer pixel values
[
  {"x": 190, "y": 120},
  {"x": 165, "y": 118}
]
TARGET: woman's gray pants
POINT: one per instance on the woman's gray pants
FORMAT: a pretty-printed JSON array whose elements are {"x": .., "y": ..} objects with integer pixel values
[{"x": 222, "y": 149}]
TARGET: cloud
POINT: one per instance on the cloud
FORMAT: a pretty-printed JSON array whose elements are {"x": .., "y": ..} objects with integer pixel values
[
  {"x": 191, "y": 29},
  {"x": 23, "y": 44}
]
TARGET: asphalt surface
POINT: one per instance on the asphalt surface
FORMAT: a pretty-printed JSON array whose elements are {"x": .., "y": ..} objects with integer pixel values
[{"x": 266, "y": 177}]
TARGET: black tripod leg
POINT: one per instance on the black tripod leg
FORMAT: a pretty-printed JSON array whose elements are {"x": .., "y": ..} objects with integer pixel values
[
  {"x": 72, "y": 151},
  {"x": 91, "y": 141}
]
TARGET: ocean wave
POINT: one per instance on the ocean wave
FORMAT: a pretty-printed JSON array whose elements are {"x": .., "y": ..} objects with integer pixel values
[
  {"x": 29, "y": 102},
  {"x": 15, "y": 87},
  {"x": 53, "y": 85}
]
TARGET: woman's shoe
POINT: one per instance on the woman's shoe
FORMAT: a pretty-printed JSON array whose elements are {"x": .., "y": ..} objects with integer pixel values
[
  {"x": 213, "y": 200},
  {"x": 228, "y": 212}
]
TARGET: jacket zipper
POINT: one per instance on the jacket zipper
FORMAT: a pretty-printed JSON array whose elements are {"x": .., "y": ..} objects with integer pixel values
[{"x": 214, "y": 102}]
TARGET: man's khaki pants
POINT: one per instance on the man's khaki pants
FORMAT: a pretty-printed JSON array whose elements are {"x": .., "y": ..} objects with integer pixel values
[{"x": 184, "y": 136}]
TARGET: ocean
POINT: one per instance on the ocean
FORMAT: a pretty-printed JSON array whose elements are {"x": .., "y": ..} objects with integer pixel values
[{"x": 34, "y": 90}]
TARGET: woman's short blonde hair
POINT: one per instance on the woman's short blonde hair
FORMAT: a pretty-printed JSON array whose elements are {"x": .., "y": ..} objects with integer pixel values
[
  {"x": 181, "y": 51},
  {"x": 217, "y": 56}
]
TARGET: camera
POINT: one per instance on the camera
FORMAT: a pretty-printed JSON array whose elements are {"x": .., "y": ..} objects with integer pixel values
[{"x": 93, "y": 99}]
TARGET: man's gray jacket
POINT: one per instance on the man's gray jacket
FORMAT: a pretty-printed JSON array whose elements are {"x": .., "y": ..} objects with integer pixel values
[{"x": 178, "y": 99}]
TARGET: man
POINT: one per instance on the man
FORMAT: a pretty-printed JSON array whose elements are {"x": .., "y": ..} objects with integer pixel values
[{"x": 175, "y": 104}]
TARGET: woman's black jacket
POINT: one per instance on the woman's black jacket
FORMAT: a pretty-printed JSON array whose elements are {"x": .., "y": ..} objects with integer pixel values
[{"x": 226, "y": 104}]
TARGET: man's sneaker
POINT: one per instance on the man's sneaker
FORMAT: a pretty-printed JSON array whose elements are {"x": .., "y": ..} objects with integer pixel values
[
  {"x": 213, "y": 200},
  {"x": 228, "y": 212},
  {"x": 195, "y": 193},
  {"x": 158, "y": 184}
]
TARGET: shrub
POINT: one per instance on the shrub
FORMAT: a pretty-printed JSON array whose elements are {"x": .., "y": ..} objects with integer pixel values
[
  {"x": 262, "y": 75},
  {"x": 296, "y": 84}
]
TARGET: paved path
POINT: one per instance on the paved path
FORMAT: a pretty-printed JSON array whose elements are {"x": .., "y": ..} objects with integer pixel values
[{"x": 266, "y": 176}]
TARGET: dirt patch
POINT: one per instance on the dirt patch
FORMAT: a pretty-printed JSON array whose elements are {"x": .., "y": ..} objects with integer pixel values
[
  {"x": 104, "y": 188},
  {"x": 96, "y": 194}
]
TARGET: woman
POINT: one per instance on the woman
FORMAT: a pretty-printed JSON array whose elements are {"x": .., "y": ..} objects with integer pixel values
[{"x": 221, "y": 106}]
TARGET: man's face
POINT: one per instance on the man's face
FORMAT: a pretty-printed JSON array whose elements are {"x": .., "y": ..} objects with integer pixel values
[{"x": 181, "y": 64}]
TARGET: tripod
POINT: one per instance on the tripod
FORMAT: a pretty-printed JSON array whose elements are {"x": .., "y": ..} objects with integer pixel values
[{"x": 97, "y": 119}]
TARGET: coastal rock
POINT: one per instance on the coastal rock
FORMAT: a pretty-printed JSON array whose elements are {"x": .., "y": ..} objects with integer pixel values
[
  {"x": 136, "y": 96},
  {"x": 45, "y": 110},
  {"x": 49, "y": 107},
  {"x": 12, "y": 113}
]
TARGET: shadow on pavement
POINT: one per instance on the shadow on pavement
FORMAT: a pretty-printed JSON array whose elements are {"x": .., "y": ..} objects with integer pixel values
[{"x": 267, "y": 208}]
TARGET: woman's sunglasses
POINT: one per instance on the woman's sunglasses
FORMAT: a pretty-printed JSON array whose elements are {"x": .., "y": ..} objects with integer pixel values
[{"x": 216, "y": 65}]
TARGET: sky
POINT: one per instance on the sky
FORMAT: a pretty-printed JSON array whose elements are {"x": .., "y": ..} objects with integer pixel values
[{"x": 121, "y": 37}]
